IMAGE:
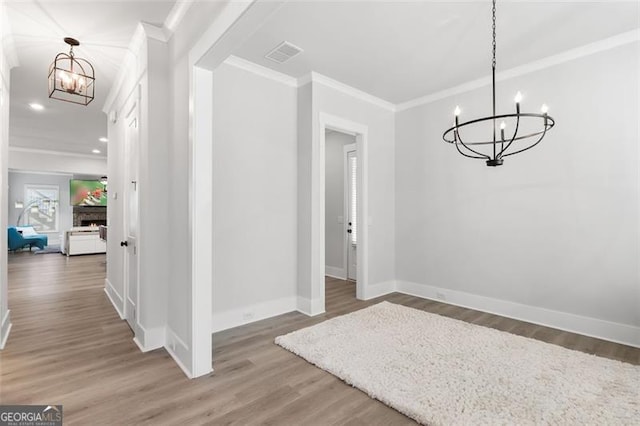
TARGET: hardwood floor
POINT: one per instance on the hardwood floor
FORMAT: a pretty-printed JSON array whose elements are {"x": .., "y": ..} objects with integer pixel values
[{"x": 68, "y": 346}]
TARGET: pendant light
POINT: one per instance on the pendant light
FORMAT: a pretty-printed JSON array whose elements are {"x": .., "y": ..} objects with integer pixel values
[
  {"x": 71, "y": 79},
  {"x": 499, "y": 145}
]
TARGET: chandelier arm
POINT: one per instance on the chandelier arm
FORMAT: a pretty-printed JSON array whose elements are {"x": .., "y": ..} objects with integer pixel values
[
  {"x": 457, "y": 134},
  {"x": 531, "y": 146},
  {"x": 515, "y": 134},
  {"x": 455, "y": 142},
  {"x": 467, "y": 155}
]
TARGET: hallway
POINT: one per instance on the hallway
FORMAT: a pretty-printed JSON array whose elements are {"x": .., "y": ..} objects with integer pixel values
[{"x": 68, "y": 346}]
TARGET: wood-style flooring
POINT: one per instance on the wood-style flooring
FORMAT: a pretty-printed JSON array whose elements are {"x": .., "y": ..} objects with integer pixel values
[{"x": 68, "y": 346}]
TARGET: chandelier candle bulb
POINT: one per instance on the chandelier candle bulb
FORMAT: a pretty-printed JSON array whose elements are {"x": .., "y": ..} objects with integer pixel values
[
  {"x": 503, "y": 125},
  {"x": 518, "y": 97},
  {"x": 545, "y": 110}
]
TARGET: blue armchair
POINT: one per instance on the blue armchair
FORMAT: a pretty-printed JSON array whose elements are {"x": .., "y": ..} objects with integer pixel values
[{"x": 18, "y": 241}]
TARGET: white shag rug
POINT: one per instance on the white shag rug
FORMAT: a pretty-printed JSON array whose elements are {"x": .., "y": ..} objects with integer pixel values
[{"x": 441, "y": 371}]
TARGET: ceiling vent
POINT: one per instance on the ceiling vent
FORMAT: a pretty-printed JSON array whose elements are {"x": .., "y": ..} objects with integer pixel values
[{"x": 283, "y": 52}]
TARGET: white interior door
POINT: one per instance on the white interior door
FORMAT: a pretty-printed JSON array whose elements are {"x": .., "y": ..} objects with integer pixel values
[
  {"x": 351, "y": 239},
  {"x": 131, "y": 222}
]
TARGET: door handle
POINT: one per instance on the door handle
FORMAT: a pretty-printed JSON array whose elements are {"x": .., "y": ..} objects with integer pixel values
[
  {"x": 349, "y": 231},
  {"x": 124, "y": 243}
]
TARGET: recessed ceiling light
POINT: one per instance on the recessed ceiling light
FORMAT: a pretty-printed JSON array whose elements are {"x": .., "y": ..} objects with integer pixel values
[
  {"x": 36, "y": 107},
  {"x": 96, "y": 151},
  {"x": 103, "y": 139}
]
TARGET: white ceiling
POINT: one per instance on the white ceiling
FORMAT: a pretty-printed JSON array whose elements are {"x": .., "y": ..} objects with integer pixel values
[
  {"x": 399, "y": 51},
  {"x": 104, "y": 29}
]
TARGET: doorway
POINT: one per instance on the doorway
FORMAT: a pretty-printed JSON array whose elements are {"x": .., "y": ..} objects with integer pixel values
[
  {"x": 342, "y": 242},
  {"x": 341, "y": 183},
  {"x": 340, "y": 207}
]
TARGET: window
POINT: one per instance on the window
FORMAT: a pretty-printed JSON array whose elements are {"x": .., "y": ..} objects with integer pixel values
[{"x": 41, "y": 207}]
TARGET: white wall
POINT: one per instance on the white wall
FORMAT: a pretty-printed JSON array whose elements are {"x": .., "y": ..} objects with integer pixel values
[
  {"x": 157, "y": 72},
  {"x": 334, "y": 202},
  {"x": 179, "y": 310},
  {"x": 379, "y": 121},
  {"x": 57, "y": 162},
  {"x": 381, "y": 191},
  {"x": 552, "y": 235},
  {"x": 209, "y": 21},
  {"x": 154, "y": 200},
  {"x": 305, "y": 136},
  {"x": 142, "y": 95},
  {"x": 254, "y": 197},
  {"x": 17, "y": 182},
  {"x": 5, "y": 66}
]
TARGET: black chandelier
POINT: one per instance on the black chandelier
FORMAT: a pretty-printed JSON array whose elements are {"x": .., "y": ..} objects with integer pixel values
[
  {"x": 501, "y": 145},
  {"x": 71, "y": 79}
]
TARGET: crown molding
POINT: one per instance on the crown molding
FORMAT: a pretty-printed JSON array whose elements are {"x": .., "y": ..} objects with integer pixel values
[
  {"x": 550, "y": 61},
  {"x": 290, "y": 81},
  {"x": 58, "y": 153},
  {"x": 37, "y": 172},
  {"x": 260, "y": 70},
  {"x": 143, "y": 31},
  {"x": 351, "y": 91},
  {"x": 156, "y": 33},
  {"x": 8, "y": 43},
  {"x": 10, "y": 51},
  {"x": 304, "y": 80},
  {"x": 176, "y": 14},
  {"x": 181, "y": 7},
  {"x": 129, "y": 60}
]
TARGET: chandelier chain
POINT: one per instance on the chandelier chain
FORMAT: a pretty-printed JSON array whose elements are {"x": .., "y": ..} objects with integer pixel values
[{"x": 493, "y": 63}]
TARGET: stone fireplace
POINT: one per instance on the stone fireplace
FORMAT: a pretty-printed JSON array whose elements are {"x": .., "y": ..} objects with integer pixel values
[{"x": 85, "y": 216}]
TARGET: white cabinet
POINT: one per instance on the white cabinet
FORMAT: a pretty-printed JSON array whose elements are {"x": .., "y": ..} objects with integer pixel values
[{"x": 84, "y": 240}]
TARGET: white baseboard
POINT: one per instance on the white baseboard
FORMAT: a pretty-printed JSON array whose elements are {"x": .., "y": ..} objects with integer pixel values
[
  {"x": 150, "y": 339},
  {"x": 5, "y": 328},
  {"x": 593, "y": 327},
  {"x": 379, "y": 289},
  {"x": 178, "y": 361},
  {"x": 114, "y": 297},
  {"x": 256, "y": 312},
  {"x": 130, "y": 307},
  {"x": 179, "y": 351},
  {"x": 333, "y": 272},
  {"x": 310, "y": 307}
]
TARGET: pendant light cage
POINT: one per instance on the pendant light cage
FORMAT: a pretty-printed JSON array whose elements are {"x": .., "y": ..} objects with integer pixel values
[{"x": 71, "y": 79}]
